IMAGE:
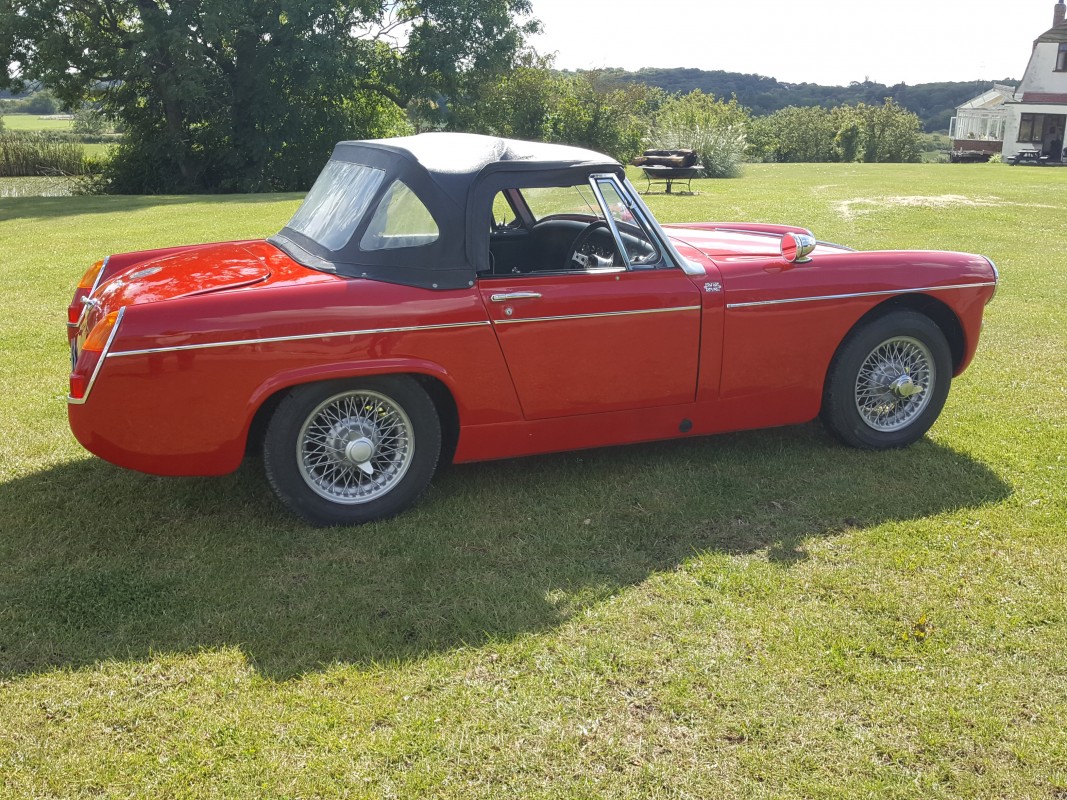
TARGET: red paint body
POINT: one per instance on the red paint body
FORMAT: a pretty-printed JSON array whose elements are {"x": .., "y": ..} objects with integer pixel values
[{"x": 598, "y": 359}]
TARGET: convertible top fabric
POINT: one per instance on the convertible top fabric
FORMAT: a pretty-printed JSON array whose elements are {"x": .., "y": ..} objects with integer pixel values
[{"x": 456, "y": 176}]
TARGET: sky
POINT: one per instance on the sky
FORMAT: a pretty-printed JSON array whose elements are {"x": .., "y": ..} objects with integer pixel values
[{"x": 830, "y": 42}]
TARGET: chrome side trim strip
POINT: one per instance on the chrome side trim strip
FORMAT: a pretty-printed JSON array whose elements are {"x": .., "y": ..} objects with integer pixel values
[
  {"x": 301, "y": 337},
  {"x": 77, "y": 401},
  {"x": 857, "y": 294},
  {"x": 601, "y": 314}
]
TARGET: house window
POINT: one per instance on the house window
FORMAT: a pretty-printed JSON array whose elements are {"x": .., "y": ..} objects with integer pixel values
[
  {"x": 1061, "y": 58},
  {"x": 1029, "y": 128}
]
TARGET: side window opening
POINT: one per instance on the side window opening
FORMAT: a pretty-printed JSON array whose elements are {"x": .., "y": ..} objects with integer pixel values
[
  {"x": 401, "y": 220},
  {"x": 583, "y": 227}
]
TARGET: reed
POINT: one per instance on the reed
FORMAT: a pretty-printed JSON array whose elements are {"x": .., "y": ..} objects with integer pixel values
[{"x": 27, "y": 155}]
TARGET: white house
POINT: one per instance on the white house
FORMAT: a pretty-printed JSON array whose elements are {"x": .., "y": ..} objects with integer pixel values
[
  {"x": 979, "y": 123},
  {"x": 1036, "y": 115}
]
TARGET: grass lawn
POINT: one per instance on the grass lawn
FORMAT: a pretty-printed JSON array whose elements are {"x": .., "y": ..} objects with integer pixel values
[
  {"x": 764, "y": 614},
  {"x": 33, "y": 122}
]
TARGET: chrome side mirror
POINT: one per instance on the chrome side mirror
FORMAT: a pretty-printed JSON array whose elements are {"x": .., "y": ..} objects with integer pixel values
[{"x": 796, "y": 247}]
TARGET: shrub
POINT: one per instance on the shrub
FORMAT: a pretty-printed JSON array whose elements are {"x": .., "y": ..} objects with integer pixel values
[
  {"x": 715, "y": 129},
  {"x": 41, "y": 103}
]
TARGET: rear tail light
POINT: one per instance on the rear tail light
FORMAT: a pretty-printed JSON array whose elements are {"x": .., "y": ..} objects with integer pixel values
[
  {"x": 90, "y": 357},
  {"x": 85, "y": 289}
]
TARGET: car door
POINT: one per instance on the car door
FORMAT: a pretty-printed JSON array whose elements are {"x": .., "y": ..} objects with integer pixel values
[{"x": 596, "y": 341}]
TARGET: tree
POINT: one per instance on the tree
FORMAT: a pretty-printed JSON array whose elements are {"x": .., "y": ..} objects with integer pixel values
[
  {"x": 587, "y": 109},
  {"x": 798, "y": 134},
  {"x": 891, "y": 133},
  {"x": 238, "y": 95}
]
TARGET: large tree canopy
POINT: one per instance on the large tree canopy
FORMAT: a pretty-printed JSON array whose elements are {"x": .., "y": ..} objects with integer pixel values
[{"x": 239, "y": 95}]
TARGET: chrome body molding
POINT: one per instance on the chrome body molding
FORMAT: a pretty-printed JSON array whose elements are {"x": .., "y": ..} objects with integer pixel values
[
  {"x": 836, "y": 246},
  {"x": 600, "y": 314},
  {"x": 296, "y": 338},
  {"x": 77, "y": 401},
  {"x": 851, "y": 295},
  {"x": 750, "y": 232}
]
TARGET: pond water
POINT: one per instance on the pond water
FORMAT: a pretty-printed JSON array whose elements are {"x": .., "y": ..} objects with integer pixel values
[{"x": 36, "y": 187}]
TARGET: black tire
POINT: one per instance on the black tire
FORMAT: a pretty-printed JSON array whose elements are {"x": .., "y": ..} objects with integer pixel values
[
  {"x": 870, "y": 399},
  {"x": 352, "y": 451}
]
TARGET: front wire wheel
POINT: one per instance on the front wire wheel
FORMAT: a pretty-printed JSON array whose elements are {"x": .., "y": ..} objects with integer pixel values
[
  {"x": 893, "y": 382},
  {"x": 888, "y": 381},
  {"x": 345, "y": 452}
]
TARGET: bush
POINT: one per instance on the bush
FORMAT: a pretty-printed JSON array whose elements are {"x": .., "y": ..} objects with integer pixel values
[
  {"x": 715, "y": 129},
  {"x": 41, "y": 103},
  {"x": 30, "y": 155}
]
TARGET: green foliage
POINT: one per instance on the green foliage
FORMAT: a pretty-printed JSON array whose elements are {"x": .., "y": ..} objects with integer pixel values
[
  {"x": 934, "y": 103},
  {"x": 33, "y": 154},
  {"x": 41, "y": 102},
  {"x": 796, "y": 134},
  {"x": 582, "y": 109},
  {"x": 715, "y": 129},
  {"x": 90, "y": 121},
  {"x": 890, "y": 133},
  {"x": 228, "y": 95},
  {"x": 846, "y": 133}
]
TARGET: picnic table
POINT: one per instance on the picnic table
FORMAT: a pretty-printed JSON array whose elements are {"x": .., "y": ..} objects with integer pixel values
[{"x": 655, "y": 173}]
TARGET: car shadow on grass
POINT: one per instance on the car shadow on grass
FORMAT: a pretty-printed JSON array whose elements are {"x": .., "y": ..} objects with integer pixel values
[
  {"x": 13, "y": 208},
  {"x": 100, "y": 563}
]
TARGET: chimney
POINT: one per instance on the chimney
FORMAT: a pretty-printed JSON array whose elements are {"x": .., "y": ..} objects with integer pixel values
[{"x": 1058, "y": 13}]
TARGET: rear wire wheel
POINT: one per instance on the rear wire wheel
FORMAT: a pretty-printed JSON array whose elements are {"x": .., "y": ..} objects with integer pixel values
[
  {"x": 348, "y": 452},
  {"x": 888, "y": 381}
]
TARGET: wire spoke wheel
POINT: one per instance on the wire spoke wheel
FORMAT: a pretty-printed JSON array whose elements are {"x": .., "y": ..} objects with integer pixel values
[
  {"x": 888, "y": 380},
  {"x": 355, "y": 447},
  {"x": 893, "y": 383}
]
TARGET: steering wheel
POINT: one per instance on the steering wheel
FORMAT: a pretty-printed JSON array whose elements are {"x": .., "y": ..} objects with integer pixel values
[{"x": 586, "y": 253}]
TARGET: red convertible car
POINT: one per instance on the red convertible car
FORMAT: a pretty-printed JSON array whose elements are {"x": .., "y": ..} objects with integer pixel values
[{"x": 460, "y": 297}]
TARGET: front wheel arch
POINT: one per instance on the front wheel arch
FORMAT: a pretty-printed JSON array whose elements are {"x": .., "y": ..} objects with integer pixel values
[{"x": 939, "y": 313}]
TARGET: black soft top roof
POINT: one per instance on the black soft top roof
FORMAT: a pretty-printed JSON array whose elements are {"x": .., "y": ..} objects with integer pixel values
[{"x": 456, "y": 175}]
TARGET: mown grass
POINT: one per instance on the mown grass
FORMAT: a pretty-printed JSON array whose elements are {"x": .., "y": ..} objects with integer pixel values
[
  {"x": 35, "y": 122},
  {"x": 766, "y": 614}
]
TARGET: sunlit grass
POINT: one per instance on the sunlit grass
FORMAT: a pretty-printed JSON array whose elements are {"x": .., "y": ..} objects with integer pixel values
[
  {"x": 35, "y": 122},
  {"x": 766, "y": 614}
]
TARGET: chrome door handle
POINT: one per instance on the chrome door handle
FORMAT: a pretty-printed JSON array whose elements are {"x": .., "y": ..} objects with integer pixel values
[{"x": 503, "y": 298}]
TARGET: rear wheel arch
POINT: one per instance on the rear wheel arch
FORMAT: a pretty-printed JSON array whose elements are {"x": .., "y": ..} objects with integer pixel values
[{"x": 440, "y": 393}]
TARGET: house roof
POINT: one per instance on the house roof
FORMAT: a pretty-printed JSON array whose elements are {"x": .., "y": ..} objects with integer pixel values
[{"x": 1054, "y": 34}]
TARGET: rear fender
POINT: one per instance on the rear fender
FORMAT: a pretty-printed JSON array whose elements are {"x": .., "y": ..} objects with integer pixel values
[{"x": 328, "y": 372}]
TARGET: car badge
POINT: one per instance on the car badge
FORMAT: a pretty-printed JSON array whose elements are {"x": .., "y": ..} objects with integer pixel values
[
  {"x": 144, "y": 273},
  {"x": 713, "y": 286}
]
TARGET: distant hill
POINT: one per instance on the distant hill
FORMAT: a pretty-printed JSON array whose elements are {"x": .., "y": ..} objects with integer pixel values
[{"x": 934, "y": 103}]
